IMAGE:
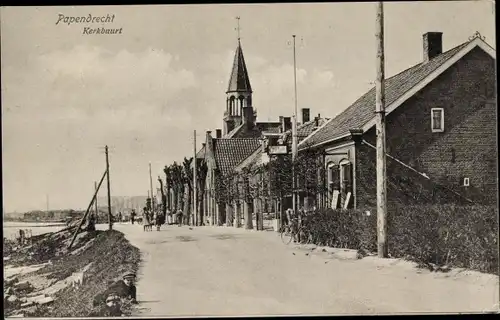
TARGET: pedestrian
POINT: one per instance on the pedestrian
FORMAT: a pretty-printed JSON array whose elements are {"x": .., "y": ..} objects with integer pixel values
[
  {"x": 179, "y": 217},
  {"x": 145, "y": 219},
  {"x": 132, "y": 216},
  {"x": 120, "y": 216},
  {"x": 158, "y": 220}
]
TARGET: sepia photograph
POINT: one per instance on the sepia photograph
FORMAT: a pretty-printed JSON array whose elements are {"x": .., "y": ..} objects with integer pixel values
[{"x": 244, "y": 160}]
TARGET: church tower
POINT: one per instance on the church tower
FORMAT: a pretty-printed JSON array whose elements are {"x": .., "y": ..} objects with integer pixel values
[{"x": 238, "y": 95}]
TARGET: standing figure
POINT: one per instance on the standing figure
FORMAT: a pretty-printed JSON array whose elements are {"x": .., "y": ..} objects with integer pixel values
[
  {"x": 145, "y": 219},
  {"x": 132, "y": 216},
  {"x": 158, "y": 221},
  {"x": 120, "y": 216},
  {"x": 179, "y": 217}
]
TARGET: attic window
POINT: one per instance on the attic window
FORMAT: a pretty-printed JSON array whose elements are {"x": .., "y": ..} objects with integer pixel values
[{"x": 437, "y": 119}]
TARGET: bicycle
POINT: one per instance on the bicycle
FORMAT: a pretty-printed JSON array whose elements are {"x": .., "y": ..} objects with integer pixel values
[{"x": 295, "y": 232}]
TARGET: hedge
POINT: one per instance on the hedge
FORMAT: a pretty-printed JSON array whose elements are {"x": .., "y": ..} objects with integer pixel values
[{"x": 443, "y": 235}]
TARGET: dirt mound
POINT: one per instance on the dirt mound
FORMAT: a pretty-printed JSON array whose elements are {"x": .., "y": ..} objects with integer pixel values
[{"x": 46, "y": 279}]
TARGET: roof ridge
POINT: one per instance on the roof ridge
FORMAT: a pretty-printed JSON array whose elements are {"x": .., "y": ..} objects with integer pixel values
[{"x": 423, "y": 69}]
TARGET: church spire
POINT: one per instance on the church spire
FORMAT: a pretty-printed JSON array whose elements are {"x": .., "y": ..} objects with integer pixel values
[
  {"x": 239, "y": 108},
  {"x": 239, "y": 80}
]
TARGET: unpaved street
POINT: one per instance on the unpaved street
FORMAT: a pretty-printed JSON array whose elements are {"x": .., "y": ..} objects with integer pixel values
[{"x": 227, "y": 271}]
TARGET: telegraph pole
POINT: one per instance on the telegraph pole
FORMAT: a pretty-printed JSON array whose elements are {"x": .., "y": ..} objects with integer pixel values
[
  {"x": 195, "y": 186},
  {"x": 151, "y": 188},
  {"x": 381, "y": 148},
  {"x": 96, "y": 207},
  {"x": 294, "y": 133},
  {"x": 110, "y": 220}
]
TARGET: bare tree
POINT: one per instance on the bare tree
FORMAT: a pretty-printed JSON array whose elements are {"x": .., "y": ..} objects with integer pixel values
[
  {"x": 201, "y": 174},
  {"x": 188, "y": 187}
]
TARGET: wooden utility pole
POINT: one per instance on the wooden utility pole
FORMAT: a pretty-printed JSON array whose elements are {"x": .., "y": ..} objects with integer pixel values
[
  {"x": 88, "y": 209},
  {"x": 110, "y": 220},
  {"x": 195, "y": 185},
  {"x": 381, "y": 152},
  {"x": 96, "y": 207},
  {"x": 294, "y": 133},
  {"x": 151, "y": 189}
]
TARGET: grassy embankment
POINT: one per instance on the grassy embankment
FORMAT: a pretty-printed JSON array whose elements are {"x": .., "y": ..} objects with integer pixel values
[{"x": 104, "y": 255}]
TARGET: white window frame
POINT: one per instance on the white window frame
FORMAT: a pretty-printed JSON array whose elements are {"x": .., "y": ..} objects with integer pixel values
[
  {"x": 466, "y": 182},
  {"x": 441, "y": 129}
]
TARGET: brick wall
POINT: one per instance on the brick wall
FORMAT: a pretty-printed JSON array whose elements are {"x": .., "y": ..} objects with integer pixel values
[{"x": 466, "y": 148}]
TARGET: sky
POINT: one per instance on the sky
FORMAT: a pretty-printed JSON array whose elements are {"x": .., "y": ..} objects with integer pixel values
[{"x": 65, "y": 94}]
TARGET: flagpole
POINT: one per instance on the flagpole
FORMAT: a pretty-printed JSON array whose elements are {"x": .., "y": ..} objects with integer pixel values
[{"x": 294, "y": 132}]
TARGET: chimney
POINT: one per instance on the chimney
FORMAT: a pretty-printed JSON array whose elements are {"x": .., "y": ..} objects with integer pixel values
[
  {"x": 306, "y": 115},
  {"x": 316, "y": 120},
  {"x": 209, "y": 135},
  {"x": 248, "y": 117},
  {"x": 282, "y": 127},
  {"x": 218, "y": 133},
  {"x": 287, "y": 123},
  {"x": 433, "y": 45}
]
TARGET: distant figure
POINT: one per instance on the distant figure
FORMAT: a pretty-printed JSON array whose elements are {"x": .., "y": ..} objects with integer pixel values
[
  {"x": 168, "y": 217},
  {"x": 159, "y": 219},
  {"x": 146, "y": 222},
  {"x": 91, "y": 223},
  {"x": 21, "y": 236},
  {"x": 179, "y": 217},
  {"x": 132, "y": 216},
  {"x": 120, "y": 216}
]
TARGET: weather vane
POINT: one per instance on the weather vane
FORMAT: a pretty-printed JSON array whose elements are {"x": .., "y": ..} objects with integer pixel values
[
  {"x": 238, "y": 27},
  {"x": 476, "y": 35}
]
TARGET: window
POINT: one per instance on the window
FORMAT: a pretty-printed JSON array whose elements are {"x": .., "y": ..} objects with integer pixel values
[
  {"x": 466, "y": 182},
  {"x": 437, "y": 119}
]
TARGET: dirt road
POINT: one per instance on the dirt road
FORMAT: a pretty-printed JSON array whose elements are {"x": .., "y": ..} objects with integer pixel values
[{"x": 220, "y": 271}]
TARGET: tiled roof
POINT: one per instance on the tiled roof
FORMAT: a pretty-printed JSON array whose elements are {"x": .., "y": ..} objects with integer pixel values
[
  {"x": 363, "y": 109},
  {"x": 239, "y": 80},
  {"x": 253, "y": 159},
  {"x": 256, "y": 131},
  {"x": 304, "y": 130},
  {"x": 230, "y": 152}
]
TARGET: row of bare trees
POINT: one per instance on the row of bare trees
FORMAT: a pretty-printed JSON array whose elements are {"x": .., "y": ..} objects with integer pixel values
[{"x": 178, "y": 188}]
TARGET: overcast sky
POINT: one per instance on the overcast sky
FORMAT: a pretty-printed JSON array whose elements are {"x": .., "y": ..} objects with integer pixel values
[{"x": 66, "y": 94}]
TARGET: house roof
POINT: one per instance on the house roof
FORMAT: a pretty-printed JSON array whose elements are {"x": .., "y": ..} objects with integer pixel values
[
  {"x": 304, "y": 130},
  {"x": 361, "y": 113},
  {"x": 256, "y": 131},
  {"x": 229, "y": 153},
  {"x": 253, "y": 159},
  {"x": 239, "y": 80}
]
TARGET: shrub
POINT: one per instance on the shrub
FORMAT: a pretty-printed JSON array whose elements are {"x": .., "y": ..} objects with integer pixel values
[{"x": 458, "y": 236}]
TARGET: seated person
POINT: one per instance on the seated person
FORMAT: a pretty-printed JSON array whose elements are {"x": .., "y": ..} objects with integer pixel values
[
  {"x": 111, "y": 308},
  {"x": 123, "y": 288}
]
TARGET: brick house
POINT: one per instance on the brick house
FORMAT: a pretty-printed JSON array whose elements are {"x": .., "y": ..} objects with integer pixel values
[
  {"x": 440, "y": 133},
  {"x": 221, "y": 156}
]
